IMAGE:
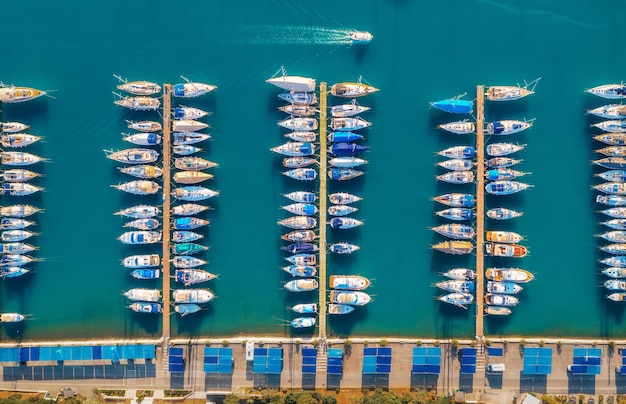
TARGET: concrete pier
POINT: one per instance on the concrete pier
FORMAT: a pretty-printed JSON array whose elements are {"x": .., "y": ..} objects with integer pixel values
[
  {"x": 323, "y": 200},
  {"x": 480, "y": 210},
  {"x": 167, "y": 156}
]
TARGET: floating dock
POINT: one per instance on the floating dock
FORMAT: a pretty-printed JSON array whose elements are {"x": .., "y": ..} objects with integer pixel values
[
  {"x": 323, "y": 198},
  {"x": 480, "y": 210},
  {"x": 167, "y": 156}
]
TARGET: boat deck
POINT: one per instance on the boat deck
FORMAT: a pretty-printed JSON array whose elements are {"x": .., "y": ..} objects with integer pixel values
[
  {"x": 167, "y": 154},
  {"x": 480, "y": 209},
  {"x": 323, "y": 198}
]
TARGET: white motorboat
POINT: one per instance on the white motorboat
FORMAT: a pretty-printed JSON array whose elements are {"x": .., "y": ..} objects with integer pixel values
[
  {"x": 143, "y": 295},
  {"x": 197, "y": 296},
  {"x": 353, "y": 298},
  {"x": 142, "y": 261},
  {"x": 140, "y": 237}
]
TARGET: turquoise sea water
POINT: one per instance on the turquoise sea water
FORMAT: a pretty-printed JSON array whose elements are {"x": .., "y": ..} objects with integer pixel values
[{"x": 422, "y": 51}]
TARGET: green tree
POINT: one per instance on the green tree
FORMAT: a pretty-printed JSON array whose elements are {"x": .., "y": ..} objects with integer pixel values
[
  {"x": 329, "y": 400},
  {"x": 306, "y": 398},
  {"x": 380, "y": 397},
  {"x": 231, "y": 399}
]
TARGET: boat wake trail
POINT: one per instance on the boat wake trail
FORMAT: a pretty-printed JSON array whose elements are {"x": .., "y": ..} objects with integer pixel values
[{"x": 292, "y": 35}]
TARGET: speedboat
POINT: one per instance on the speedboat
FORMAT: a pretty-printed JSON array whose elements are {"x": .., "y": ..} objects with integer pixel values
[
  {"x": 19, "y": 158},
  {"x": 343, "y": 248},
  {"x": 301, "y": 196},
  {"x": 455, "y": 105},
  {"x": 133, "y": 156},
  {"x": 457, "y": 177},
  {"x": 503, "y": 237},
  {"x": 342, "y": 137},
  {"x": 188, "y": 209},
  {"x": 303, "y": 322},
  {"x": 18, "y": 189},
  {"x": 187, "y": 248},
  {"x": 15, "y": 140},
  {"x": 509, "y": 288},
  {"x": 615, "y": 236},
  {"x": 13, "y": 127},
  {"x": 146, "y": 273},
  {"x": 505, "y": 187},
  {"x": 612, "y": 139},
  {"x": 298, "y": 162},
  {"x": 197, "y": 296},
  {"x": 455, "y": 285},
  {"x": 301, "y": 174},
  {"x": 299, "y": 248},
  {"x": 616, "y": 248},
  {"x": 183, "y": 138},
  {"x": 193, "y": 163},
  {"x": 454, "y": 247},
  {"x": 346, "y": 162},
  {"x": 17, "y": 248},
  {"x": 337, "y": 308},
  {"x": 188, "y": 223},
  {"x": 610, "y": 91},
  {"x": 17, "y": 260},
  {"x": 144, "y": 138},
  {"x": 615, "y": 272},
  {"x": 141, "y": 87},
  {"x": 301, "y": 285},
  {"x": 302, "y": 136},
  {"x": 191, "y": 177},
  {"x": 350, "y": 297},
  {"x": 142, "y": 261},
  {"x": 9, "y": 236},
  {"x": 145, "y": 126},
  {"x": 352, "y": 90},
  {"x": 616, "y": 212},
  {"x": 13, "y": 94},
  {"x": 349, "y": 282},
  {"x": 20, "y": 211},
  {"x": 360, "y": 37},
  {"x": 341, "y": 210},
  {"x": 343, "y": 198},
  {"x": 305, "y": 308},
  {"x": 503, "y": 149},
  {"x": 509, "y": 93},
  {"x": 146, "y": 307},
  {"x": 143, "y": 295},
  {"x": 612, "y": 163},
  {"x": 188, "y": 125},
  {"x": 191, "y": 276},
  {"x": 456, "y": 214},
  {"x": 295, "y": 149},
  {"x": 613, "y": 151},
  {"x": 139, "y": 212},
  {"x": 300, "y": 270},
  {"x": 140, "y": 237},
  {"x": 298, "y": 110},
  {"x": 503, "y": 214},
  {"x": 347, "y": 110},
  {"x": 292, "y": 83},
  {"x": 508, "y": 127},
  {"x": 298, "y": 97},
  {"x": 182, "y": 112},
  {"x": 617, "y": 224},
  {"x": 456, "y": 200},
  {"x": 11, "y": 317},
  {"x": 497, "y": 310},
  {"x": 615, "y": 188},
  {"x": 299, "y": 236},
  {"x": 612, "y": 111},
  {"x": 343, "y": 174},
  {"x": 143, "y": 224},
  {"x": 613, "y": 175},
  {"x": 299, "y": 124},
  {"x": 459, "y": 127},
  {"x": 457, "y": 299},
  {"x": 299, "y": 222},
  {"x": 346, "y": 149},
  {"x": 456, "y": 164},
  {"x": 344, "y": 222},
  {"x": 185, "y": 236},
  {"x": 348, "y": 124},
  {"x": 193, "y": 193},
  {"x": 187, "y": 262},
  {"x": 611, "y": 200},
  {"x": 460, "y": 152},
  {"x": 462, "y": 274},
  {"x": 191, "y": 89},
  {"x": 501, "y": 300},
  {"x": 186, "y": 308},
  {"x": 302, "y": 259},
  {"x": 455, "y": 230},
  {"x": 505, "y": 250},
  {"x": 185, "y": 149},
  {"x": 140, "y": 103},
  {"x": 299, "y": 208},
  {"x": 509, "y": 275},
  {"x": 497, "y": 174},
  {"x": 139, "y": 187},
  {"x": 502, "y": 162}
]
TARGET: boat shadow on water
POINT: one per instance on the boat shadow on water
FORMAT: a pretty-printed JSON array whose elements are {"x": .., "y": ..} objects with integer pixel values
[{"x": 191, "y": 325}]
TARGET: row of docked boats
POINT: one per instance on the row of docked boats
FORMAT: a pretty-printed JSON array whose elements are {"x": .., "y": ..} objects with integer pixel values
[{"x": 612, "y": 191}]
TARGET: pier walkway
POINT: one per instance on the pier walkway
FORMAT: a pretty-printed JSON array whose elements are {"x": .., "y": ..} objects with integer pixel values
[
  {"x": 480, "y": 210},
  {"x": 323, "y": 198},
  {"x": 167, "y": 153}
]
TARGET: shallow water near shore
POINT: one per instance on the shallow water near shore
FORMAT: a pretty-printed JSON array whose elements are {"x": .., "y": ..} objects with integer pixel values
[{"x": 422, "y": 52}]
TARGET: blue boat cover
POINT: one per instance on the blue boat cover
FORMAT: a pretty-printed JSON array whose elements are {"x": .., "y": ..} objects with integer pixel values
[
  {"x": 498, "y": 127},
  {"x": 296, "y": 248},
  {"x": 152, "y": 138},
  {"x": 179, "y": 113},
  {"x": 145, "y": 273},
  {"x": 179, "y": 90},
  {"x": 346, "y": 149},
  {"x": 492, "y": 175},
  {"x": 344, "y": 136},
  {"x": 455, "y": 106}
]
